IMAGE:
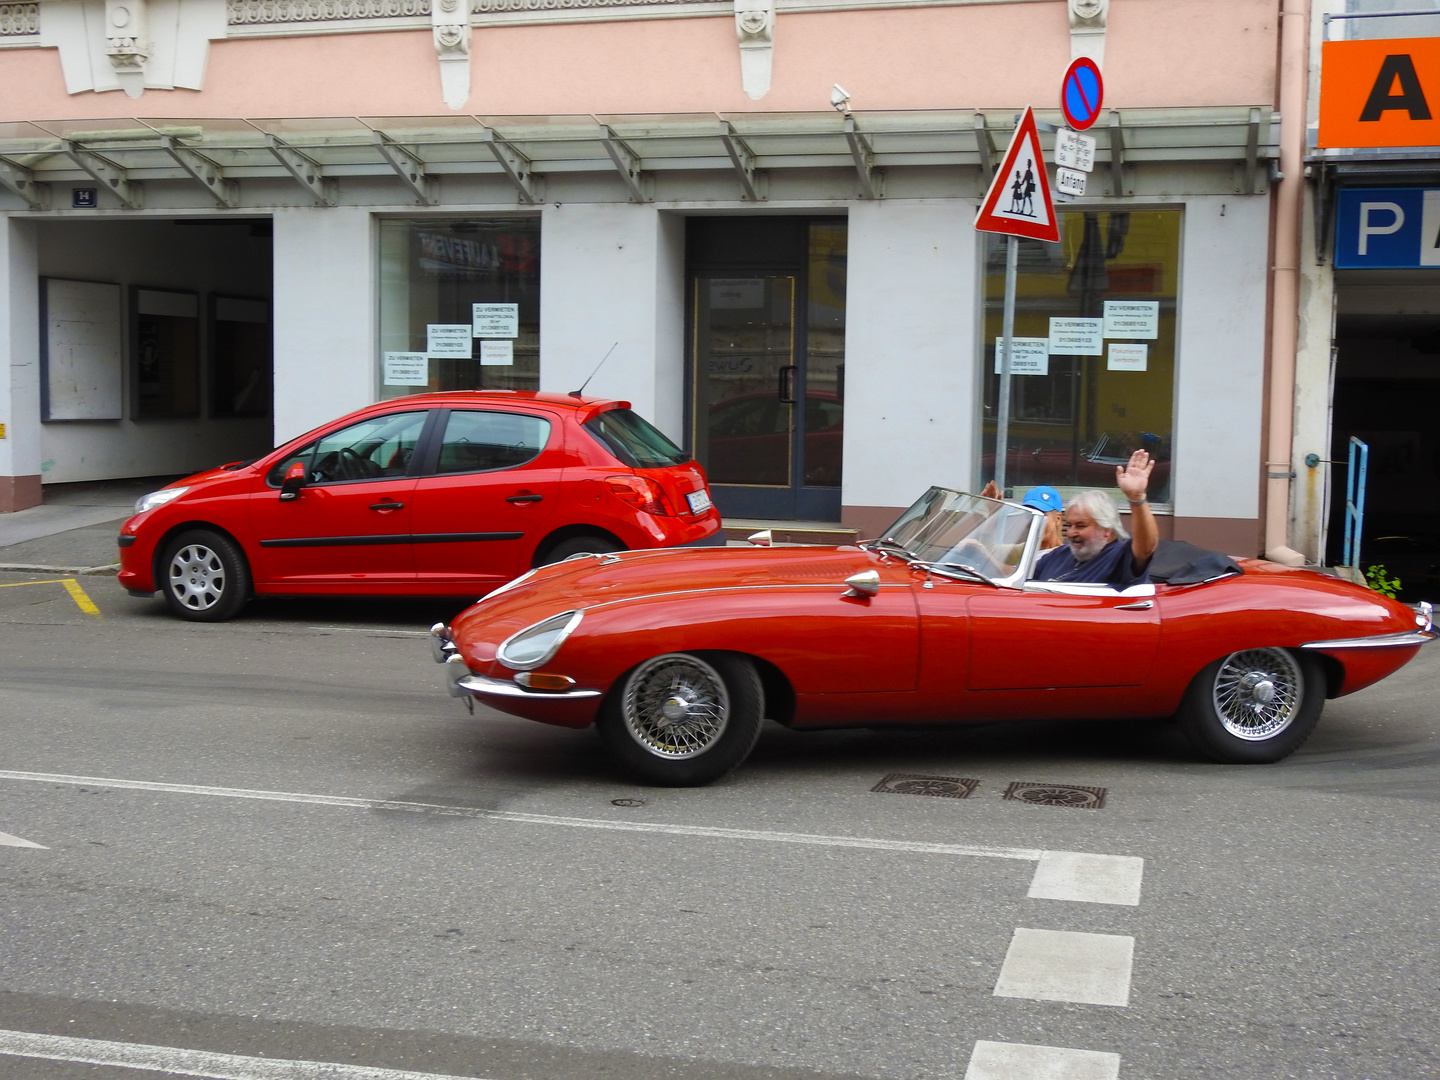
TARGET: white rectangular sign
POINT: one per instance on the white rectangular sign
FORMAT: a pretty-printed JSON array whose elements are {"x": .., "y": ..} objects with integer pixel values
[
  {"x": 497, "y": 353},
  {"x": 1132, "y": 319},
  {"x": 496, "y": 320},
  {"x": 448, "y": 340},
  {"x": 737, "y": 293},
  {"x": 407, "y": 369},
  {"x": 1074, "y": 151},
  {"x": 1069, "y": 182},
  {"x": 1028, "y": 356},
  {"x": 1077, "y": 337},
  {"x": 1127, "y": 356}
]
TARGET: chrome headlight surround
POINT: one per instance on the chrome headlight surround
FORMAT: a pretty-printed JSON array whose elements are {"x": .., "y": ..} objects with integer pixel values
[
  {"x": 537, "y": 643},
  {"x": 158, "y": 498},
  {"x": 514, "y": 583}
]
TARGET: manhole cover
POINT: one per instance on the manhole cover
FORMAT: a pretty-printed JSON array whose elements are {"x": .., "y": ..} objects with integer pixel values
[
  {"x": 1084, "y": 798},
  {"x": 627, "y": 802},
  {"x": 946, "y": 787}
]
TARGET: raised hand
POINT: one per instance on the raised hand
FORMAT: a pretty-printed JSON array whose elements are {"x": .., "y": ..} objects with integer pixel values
[{"x": 1133, "y": 477}]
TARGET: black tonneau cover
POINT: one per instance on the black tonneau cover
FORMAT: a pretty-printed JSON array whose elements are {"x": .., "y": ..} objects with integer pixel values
[{"x": 1176, "y": 562}]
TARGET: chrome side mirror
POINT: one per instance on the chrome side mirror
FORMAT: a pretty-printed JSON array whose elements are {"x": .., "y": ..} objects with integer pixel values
[
  {"x": 763, "y": 538},
  {"x": 865, "y": 583}
]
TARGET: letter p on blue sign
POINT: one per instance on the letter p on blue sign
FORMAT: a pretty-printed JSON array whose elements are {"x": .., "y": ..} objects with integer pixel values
[{"x": 1387, "y": 228}]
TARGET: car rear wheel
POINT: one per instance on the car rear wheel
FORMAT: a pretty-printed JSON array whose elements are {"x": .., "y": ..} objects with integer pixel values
[
  {"x": 204, "y": 576},
  {"x": 684, "y": 719},
  {"x": 579, "y": 545},
  {"x": 1254, "y": 706}
]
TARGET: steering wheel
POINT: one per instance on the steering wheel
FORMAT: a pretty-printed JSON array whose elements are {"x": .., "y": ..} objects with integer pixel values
[{"x": 359, "y": 468}]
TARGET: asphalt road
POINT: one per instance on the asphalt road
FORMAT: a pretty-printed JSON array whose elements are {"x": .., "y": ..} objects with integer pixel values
[{"x": 277, "y": 838}]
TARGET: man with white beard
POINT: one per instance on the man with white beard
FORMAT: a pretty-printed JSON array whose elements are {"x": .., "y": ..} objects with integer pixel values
[{"x": 1097, "y": 546}]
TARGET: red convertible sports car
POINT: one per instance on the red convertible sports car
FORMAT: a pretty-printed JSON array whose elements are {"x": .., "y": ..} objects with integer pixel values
[{"x": 678, "y": 656}]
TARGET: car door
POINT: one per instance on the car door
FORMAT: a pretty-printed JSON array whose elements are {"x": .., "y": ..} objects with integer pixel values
[
  {"x": 492, "y": 484},
  {"x": 349, "y": 526},
  {"x": 1050, "y": 635}
]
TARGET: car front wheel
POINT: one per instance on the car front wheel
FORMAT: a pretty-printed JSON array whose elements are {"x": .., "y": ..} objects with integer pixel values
[
  {"x": 684, "y": 719},
  {"x": 204, "y": 576},
  {"x": 1254, "y": 706},
  {"x": 579, "y": 545}
]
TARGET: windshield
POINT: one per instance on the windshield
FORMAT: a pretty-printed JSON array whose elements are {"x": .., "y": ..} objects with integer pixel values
[
  {"x": 634, "y": 440},
  {"x": 949, "y": 528}
]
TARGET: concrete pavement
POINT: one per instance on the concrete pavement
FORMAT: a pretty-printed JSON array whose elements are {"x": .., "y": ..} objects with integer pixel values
[{"x": 73, "y": 531}]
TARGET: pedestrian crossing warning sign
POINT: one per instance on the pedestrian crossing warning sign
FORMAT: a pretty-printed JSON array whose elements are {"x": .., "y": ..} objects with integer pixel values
[{"x": 1018, "y": 201}]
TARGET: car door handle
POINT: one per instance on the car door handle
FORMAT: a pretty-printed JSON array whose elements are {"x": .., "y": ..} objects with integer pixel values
[
  {"x": 523, "y": 498},
  {"x": 387, "y": 506},
  {"x": 1141, "y": 605}
]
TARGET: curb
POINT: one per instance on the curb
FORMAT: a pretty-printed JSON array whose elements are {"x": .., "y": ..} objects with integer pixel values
[{"x": 36, "y": 568}]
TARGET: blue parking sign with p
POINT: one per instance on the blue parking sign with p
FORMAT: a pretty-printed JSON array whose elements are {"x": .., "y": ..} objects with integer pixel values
[{"x": 1387, "y": 228}]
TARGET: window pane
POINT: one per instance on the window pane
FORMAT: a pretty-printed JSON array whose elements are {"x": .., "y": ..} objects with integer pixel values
[
  {"x": 634, "y": 440},
  {"x": 371, "y": 449},
  {"x": 825, "y": 352},
  {"x": 1074, "y": 415},
  {"x": 475, "y": 441},
  {"x": 433, "y": 273}
]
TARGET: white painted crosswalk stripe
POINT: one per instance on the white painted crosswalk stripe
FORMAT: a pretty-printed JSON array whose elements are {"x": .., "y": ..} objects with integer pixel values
[
  {"x": 1022, "y": 1061},
  {"x": 173, "y": 1061},
  {"x": 1094, "y": 879},
  {"x": 1062, "y": 965}
]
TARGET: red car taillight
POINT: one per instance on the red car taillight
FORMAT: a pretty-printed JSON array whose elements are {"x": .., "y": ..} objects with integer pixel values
[{"x": 641, "y": 493}]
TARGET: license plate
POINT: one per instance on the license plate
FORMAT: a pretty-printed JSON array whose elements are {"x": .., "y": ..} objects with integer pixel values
[{"x": 699, "y": 501}]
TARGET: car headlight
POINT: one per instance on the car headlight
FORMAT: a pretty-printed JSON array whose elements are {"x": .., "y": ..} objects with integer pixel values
[
  {"x": 158, "y": 498},
  {"x": 536, "y": 644}
]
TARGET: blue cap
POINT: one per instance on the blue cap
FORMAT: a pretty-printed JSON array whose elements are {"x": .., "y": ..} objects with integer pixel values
[{"x": 1044, "y": 498}]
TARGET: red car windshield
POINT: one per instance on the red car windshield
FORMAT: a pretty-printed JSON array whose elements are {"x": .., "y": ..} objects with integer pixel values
[{"x": 634, "y": 440}]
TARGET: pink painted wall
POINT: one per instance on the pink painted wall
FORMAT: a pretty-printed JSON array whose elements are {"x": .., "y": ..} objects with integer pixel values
[{"x": 1157, "y": 53}]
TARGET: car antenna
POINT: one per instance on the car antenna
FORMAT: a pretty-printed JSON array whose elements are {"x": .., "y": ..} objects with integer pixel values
[{"x": 577, "y": 393}]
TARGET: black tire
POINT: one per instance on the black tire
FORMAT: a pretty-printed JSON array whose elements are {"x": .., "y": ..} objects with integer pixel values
[
  {"x": 204, "y": 576},
  {"x": 684, "y": 719},
  {"x": 1253, "y": 707},
  {"x": 591, "y": 544}
]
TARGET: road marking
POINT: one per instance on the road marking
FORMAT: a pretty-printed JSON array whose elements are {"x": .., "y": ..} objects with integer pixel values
[
  {"x": 177, "y": 1062},
  {"x": 370, "y": 630},
  {"x": 1093, "y": 879},
  {"x": 1062, "y": 965},
  {"x": 1022, "y": 1061},
  {"x": 83, "y": 602},
  {"x": 14, "y": 841}
]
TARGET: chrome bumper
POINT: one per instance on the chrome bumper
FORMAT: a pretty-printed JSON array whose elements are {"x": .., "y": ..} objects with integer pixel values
[
  {"x": 1377, "y": 641},
  {"x": 461, "y": 682}
]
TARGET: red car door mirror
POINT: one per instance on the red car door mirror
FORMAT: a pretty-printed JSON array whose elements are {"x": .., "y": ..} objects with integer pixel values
[{"x": 295, "y": 479}]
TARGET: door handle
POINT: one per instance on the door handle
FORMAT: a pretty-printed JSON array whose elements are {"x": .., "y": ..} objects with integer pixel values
[
  {"x": 387, "y": 506},
  {"x": 786, "y": 389},
  {"x": 523, "y": 498},
  {"x": 1142, "y": 605}
]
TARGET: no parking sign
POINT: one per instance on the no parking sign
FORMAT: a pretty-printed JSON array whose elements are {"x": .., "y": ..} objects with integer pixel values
[{"x": 1081, "y": 92}]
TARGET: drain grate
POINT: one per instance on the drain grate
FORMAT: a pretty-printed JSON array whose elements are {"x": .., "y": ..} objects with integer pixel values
[
  {"x": 1082, "y": 798},
  {"x": 946, "y": 787}
]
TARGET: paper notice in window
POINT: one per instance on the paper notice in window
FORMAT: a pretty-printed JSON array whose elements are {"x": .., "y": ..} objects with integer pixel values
[
  {"x": 406, "y": 369},
  {"x": 1028, "y": 355},
  {"x": 1077, "y": 337},
  {"x": 497, "y": 353},
  {"x": 1124, "y": 356},
  {"x": 495, "y": 320},
  {"x": 448, "y": 340},
  {"x": 1132, "y": 319}
]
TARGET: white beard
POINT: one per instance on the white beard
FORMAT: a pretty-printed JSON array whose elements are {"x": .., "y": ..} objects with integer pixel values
[{"x": 1090, "y": 548}]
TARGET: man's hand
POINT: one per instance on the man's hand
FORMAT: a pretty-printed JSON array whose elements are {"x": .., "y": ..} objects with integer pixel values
[
  {"x": 990, "y": 491},
  {"x": 1133, "y": 477}
]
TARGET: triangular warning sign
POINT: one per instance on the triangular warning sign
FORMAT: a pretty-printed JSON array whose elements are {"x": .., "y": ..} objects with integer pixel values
[{"x": 1018, "y": 201}]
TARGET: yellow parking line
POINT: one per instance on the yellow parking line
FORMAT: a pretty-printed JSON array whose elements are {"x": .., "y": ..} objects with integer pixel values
[
  {"x": 83, "y": 602},
  {"x": 47, "y": 581}
]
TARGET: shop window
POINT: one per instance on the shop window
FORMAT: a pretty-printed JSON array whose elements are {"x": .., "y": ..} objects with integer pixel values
[
  {"x": 459, "y": 305},
  {"x": 167, "y": 353},
  {"x": 240, "y": 368},
  {"x": 1093, "y": 374}
]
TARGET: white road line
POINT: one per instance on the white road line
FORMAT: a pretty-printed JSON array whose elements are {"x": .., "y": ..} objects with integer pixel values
[
  {"x": 1062, "y": 965},
  {"x": 919, "y": 847},
  {"x": 1093, "y": 879},
  {"x": 176, "y": 1062},
  {"x": 381, "y": 631},
  {"x": 14, "y": 841},
  {"x": 1023, "y": 1061}
]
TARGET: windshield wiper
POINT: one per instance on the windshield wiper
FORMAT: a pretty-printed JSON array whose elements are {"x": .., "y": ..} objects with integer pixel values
[
  {"x": 956, "y": 570},
  {"x": 887, "y": 546}
]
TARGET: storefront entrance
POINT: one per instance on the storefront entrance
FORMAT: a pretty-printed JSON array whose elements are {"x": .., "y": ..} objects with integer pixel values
[{"x": 766, "y": 322}]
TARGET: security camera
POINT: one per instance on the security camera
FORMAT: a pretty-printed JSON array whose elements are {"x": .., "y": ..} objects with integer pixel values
[{"x": 840, "y": 98}]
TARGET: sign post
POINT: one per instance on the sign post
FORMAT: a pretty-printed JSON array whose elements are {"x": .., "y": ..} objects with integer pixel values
[{"x": 1017, "y": 204}]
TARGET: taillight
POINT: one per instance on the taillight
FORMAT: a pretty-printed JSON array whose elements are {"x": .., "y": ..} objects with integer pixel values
[{"x": 641, "y": 493}]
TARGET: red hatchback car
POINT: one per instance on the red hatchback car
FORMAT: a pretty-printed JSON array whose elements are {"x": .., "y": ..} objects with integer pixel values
[{"x": 448, "y": 494}]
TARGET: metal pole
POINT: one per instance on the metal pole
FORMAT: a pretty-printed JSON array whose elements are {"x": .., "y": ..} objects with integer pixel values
[{"x": 1002, "y": 419}]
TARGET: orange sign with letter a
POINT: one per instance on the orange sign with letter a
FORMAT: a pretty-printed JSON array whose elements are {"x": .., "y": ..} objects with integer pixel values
[{"x": 1380, "y": 93}]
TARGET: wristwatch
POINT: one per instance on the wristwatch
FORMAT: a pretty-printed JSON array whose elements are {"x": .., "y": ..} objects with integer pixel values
[{"x": 1137, "y": 502}]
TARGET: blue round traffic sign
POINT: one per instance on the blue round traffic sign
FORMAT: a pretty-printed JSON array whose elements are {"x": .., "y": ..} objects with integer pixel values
[{"x": 1081, "y": 93}]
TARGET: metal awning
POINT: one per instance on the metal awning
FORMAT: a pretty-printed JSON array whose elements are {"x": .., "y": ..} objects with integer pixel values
[{"x": 220, "y": 155}]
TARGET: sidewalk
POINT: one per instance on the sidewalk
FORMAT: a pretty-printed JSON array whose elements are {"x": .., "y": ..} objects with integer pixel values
[{"x": 73, "y": 531}]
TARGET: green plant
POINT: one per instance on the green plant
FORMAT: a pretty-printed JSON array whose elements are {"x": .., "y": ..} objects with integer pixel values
[{"x": 1376, "y": 579}]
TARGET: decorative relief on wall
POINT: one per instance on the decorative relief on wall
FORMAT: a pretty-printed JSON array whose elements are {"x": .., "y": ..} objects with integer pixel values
[
  {"x": 755, "y": 27},
  {"x": 1087, "y": 29},
  {"x": 242, "y": 12},
  {"x": 19, "y": 19},
  {"x": 451, "y": 22},
  {"x": 132, "y": 45}
]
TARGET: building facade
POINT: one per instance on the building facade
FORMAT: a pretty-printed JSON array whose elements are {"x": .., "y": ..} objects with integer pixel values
[{"x": 222, "y": 223}]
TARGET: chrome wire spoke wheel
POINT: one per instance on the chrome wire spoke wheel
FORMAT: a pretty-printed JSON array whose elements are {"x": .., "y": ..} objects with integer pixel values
[
  {"x": 676, "y": 706},
  {"x": 197, "y": 577},
  {"x": 1258, "y": 693}
]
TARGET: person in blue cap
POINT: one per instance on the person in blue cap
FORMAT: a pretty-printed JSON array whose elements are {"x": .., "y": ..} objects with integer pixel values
[
  {"x": 1047, "y": 500},
  {"x": 1097, "y": 546}
]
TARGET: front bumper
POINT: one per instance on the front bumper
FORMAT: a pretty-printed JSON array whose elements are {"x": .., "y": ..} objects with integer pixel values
[{"x": 461, "y": 682}]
